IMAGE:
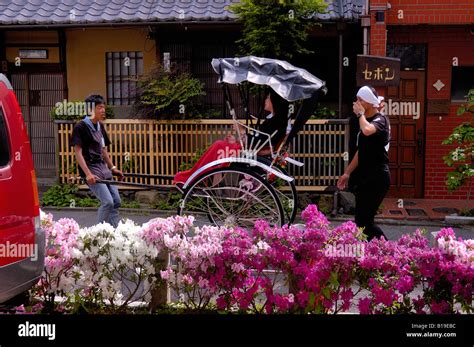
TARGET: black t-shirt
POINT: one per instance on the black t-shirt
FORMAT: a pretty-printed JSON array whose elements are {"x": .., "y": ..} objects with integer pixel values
[
  {"x": 91, "y": 146},
  {"x": 373, "y": 149},
  {"x": 269, "y": 126}
]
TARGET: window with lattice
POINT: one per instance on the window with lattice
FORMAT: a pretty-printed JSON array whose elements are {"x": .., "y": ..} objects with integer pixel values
[{"x": 122, "y": 69}]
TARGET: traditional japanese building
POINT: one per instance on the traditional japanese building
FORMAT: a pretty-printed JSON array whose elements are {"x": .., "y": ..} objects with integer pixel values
[{"x": 56, "y": 49}]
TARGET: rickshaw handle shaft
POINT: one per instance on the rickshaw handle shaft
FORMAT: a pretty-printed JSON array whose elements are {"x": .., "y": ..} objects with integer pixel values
[
  {"x": 131, "y": 184},
  {"x": 163, "y": 177}
]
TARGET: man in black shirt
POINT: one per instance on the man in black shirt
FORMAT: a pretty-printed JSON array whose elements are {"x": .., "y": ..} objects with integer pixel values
[
  {"x": 90, "y": 141},
  {"x": 371, "y": 160}
]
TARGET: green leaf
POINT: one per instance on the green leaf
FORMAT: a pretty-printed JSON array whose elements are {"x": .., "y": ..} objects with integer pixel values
[
  {"x": 461, "y": 110},
  {"x": 461, "y": 158},
  {"x": 333, "y": 279},
  {"x": 311, "y": 300},
  {"x": 326, "y": 292}
]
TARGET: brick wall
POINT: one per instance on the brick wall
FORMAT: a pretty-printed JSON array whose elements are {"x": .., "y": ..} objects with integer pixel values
[
  {"x": 431, "y": 12},
  {"x": 443, "y": 44},
  {"x": 378, "y": 31},
  {"x": 410, "y": 12}
]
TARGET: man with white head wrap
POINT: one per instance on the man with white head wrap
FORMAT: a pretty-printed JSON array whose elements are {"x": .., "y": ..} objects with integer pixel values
[
  {"x": 371, "y": 160},
  {"x": 368, "y": 94}
]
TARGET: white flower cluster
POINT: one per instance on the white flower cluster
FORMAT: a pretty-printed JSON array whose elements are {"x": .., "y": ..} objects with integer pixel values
[
  {"x": 117, "y": 263},
  {"x": 463, "y": 250},
  {"x": 113, "y": 268}
]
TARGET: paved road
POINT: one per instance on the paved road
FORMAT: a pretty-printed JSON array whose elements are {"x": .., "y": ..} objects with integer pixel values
[{"x": 393, "y": 230}]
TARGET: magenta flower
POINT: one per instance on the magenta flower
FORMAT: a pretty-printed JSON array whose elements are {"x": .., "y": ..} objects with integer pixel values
[
  {"x": 383, "y": 296},
  {"x": 405, "y": 284},
  {"x": 441, "y": 307},
  {"x": 419, "y": 304},
  {"x": 365, "y": 306},
  {"x": 221, "y": 303}
]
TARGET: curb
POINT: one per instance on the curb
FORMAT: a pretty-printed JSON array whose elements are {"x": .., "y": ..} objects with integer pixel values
[
  {"x": 127, "y": 210},
  {"x": 389, "y": 221},
  {"x": 459, "y": 220}
]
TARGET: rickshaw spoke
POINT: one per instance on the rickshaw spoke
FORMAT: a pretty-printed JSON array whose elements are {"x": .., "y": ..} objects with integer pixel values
[{"x": 238, "y": 199}]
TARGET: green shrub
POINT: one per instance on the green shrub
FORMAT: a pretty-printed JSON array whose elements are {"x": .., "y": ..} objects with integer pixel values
[
  {"x": 168, "y": 94},
  {"x": 65, "y": 195},
  {"x": 87, "y": 202},
  {"x": 130, "y": 204},
  {"x": 462, "y": 157},
  {"x": 467, "y": 212},
  {"x": 60, "y": 195},
  {"x": 128, "y": 165},
  {"x": 323, "y": 112},
  {"x": 171, "y": 202}
]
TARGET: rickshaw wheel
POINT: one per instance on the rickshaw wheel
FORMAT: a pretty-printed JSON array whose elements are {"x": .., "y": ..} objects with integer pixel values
[
  {"x": 288, "y": 197},
  {"x": 233, "y": 197}
]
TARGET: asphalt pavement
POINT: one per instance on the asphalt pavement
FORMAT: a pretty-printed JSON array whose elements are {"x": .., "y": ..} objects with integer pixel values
[{"x": 393, "y": 229}]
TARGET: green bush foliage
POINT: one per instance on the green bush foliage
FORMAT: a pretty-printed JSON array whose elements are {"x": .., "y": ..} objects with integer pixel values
[
  {"x": 168, "y": 94},
  {"x": 276, "y": 28},
  {"x": 461, "y": 158}
]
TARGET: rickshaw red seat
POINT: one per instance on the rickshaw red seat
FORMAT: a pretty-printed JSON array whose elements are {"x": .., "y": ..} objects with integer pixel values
[{"x": 218, "y": 150}]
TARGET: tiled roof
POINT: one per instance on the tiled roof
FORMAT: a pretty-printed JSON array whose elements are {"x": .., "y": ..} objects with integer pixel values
[
  {"x": 44, "y": 12},
  {"x": 349, "y": 10}
]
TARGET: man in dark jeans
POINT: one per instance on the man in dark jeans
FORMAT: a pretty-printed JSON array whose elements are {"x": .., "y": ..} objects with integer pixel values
[
  {"x": 90, "y": 141},
  {"x": 371, "y": 159}
]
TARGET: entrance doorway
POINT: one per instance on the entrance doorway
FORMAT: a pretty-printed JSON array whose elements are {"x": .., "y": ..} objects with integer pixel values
[
  {"x": 37, "y": 93},
  {"x": 405, "y": 106}
]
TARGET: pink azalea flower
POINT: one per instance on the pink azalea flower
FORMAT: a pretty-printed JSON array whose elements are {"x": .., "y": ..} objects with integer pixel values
[
  {"x": 405, "y": 284},
  {"x": 365, "y": 306},
  {"x": 440, "y": 307}
]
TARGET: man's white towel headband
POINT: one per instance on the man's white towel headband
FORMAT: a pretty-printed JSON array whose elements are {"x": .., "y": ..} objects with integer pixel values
[{"x": 366, "y": 94}]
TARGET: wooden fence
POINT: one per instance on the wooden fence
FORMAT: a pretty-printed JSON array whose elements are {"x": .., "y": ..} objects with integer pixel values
[{"x": 159, "y": 147}]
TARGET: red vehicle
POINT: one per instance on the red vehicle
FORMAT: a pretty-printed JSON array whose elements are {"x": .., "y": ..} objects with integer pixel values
[{"x": 22, "y": 242}]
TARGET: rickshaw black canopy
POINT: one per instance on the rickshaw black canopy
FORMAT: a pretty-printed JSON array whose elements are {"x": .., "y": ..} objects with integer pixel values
[{"x": 288, "y": 81}]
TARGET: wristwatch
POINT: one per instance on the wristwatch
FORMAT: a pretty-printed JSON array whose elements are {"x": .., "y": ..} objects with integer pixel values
[
  {"x": 113, "y": 168},
  {"x": 360, "y": 114}
]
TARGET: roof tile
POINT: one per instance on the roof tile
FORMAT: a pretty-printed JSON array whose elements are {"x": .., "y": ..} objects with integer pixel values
[{"x": 98, "y": 11}]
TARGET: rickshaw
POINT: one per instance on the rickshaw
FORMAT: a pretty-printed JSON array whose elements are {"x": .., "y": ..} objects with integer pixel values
[{"x": 252, "y": 185}]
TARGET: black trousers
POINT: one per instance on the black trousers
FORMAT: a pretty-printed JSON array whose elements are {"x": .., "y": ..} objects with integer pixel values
[{"x": 370, "y": 192}]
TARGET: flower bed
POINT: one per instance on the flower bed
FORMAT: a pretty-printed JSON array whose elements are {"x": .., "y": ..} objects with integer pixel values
[{"x": 313, "y": 268}]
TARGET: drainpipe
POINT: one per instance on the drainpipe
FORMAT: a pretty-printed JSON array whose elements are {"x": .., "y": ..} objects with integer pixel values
[
  {"x": 366, "y": 25},
  {"x": 340, "y": 30},
  {"x": 340, "y": 26}
]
